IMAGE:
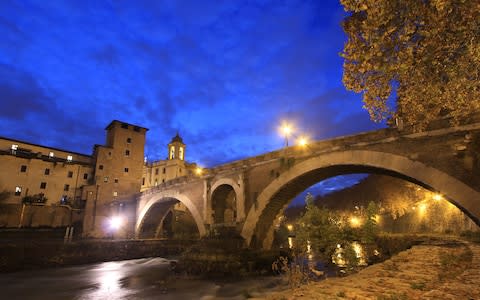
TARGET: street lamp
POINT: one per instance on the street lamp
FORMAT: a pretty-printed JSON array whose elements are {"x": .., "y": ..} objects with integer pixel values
[
  {"x": 286, "y": 129},
  {"x": 302, "y": 141}
]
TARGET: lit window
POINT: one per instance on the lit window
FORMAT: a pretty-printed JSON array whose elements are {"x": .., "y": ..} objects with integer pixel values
[
  {"x": 18, "y": 190},
  {"x": 69, "y": 158},
  {"x": 23, "y": 168},
  {"x": 14, "y": 148},
  {"x": 66, "y": 187},
  {"x": 47, "y": 171},
  {"x": 85, "y": 176},
  {"x": 51, "y": 154},
  {"x": 129, "y": 140},
  {"x": 156, "y": 182},
  {"x": 115, "y": 193},
  {"x": 127, "y": 152},
  {"x": 105, "y": 179},
  {"x": 172, "y": 152},
  {"x": 70, "y": 174},
  {"x": 43, "y": 185},
  {"x": 180, "y": 153},
  {"x": 126, "y": 170}
]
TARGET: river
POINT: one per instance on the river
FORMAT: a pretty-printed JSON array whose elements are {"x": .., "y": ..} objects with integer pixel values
[{"x": 147, "y": 278}]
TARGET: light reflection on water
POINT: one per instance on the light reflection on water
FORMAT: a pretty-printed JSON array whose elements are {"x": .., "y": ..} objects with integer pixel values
[{"x": 148, "y": 278}]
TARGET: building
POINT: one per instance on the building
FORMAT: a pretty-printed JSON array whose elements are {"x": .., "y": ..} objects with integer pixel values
[{"x": 104, "y": 184}]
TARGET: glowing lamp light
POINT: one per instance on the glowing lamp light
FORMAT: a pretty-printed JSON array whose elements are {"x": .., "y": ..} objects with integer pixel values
[
  {"x": 355, "y": 221},
  {"x": 302, "y": 141},
  {"x": 290, "y": 227},
  {"x": 437, "y": 197},
  {"x": 286, "y": 129},
  {"x": 198, "y": 171},
  {"x": 115, "y": 222}
]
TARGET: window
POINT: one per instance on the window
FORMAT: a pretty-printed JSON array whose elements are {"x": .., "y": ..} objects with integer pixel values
[
  {"x": 23, "y": 168},
  {"x": 85, "y": 176},
  {"x": 136, "y": 128},
  {"x": 105, "y": 179},
  {"x": 116, "y": 180},
  {"x": 70, "y": 174},
  {"x": 14, "y": 148},
  {"x": 126, "y": 170},
  {"x": 180, "y": 153},
  {"x": 51, "y": 154},
  {"x": 129, "y": 140},
  {"x": 143, "y": 181},
  {"x": 100, "y": 167},
  {"x": 47, "y": 171},
  {"x": 124, "y": 126},
  {"x": 66, "y": 187},
  {"x": 164, "y": 170},
  {"x": 18, "y": 190},
  {"x": 172, "y": 152},
  {"x": 43, "y": 185},
  {"x": 156, "y": 171},
  {"x": 69, "y": 158},
  {"x": 127, "y": 152},
  {"x": 163, "y": 180},
  {"x": 115, "y": 194},
  {"x": 156, "y": 182}
]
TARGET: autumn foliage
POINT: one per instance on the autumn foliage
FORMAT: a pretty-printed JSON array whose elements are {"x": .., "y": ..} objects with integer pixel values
[{"x": 425, "y": 54}]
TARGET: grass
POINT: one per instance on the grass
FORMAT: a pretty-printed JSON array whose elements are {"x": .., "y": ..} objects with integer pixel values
[{"x": 453, "y": 263}]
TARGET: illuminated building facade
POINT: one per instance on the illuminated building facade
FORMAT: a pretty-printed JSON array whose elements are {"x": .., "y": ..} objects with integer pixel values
[{"x": 105, "y": 183}]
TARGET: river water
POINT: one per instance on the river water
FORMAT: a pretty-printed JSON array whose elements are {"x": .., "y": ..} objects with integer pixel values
[{"x": 147, "y": 278}]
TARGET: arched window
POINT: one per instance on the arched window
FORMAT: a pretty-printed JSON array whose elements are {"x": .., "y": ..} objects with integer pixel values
[
  {"x": 180, "y": 153},
  {"x": 172, "y": 152}
]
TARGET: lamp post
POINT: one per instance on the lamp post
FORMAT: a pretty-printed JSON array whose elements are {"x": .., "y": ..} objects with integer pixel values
[{"x": 286, "y": 130}]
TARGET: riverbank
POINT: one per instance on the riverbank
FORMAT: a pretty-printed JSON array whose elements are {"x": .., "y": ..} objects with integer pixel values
[{"x": 439, "y": 268}]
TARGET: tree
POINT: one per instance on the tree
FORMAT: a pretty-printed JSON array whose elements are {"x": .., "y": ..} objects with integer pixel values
[{"x": 425, "y": 53}]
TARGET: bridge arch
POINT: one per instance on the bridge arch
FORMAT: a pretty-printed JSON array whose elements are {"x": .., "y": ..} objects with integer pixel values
[
  {"x": 231, "y": 191},
  {"x": 273, "y": 199},
  {"x": 162, "y": 202}
]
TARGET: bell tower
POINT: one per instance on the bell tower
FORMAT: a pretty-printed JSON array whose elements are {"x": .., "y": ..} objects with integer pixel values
[{"x": 176, "y": 148}]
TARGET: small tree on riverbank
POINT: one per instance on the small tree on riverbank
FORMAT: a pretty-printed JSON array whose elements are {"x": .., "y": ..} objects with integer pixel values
[{"x": 322, "y": 231}]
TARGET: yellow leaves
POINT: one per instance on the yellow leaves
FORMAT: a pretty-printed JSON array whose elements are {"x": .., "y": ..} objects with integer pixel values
[{"x": 434, "y": 57}]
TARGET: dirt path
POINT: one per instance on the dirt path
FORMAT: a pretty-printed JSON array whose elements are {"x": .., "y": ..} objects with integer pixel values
[{"x": 446, "y": 269}]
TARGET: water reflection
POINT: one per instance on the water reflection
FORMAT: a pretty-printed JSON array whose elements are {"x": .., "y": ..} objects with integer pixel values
[{"x": 148, "y": 278}]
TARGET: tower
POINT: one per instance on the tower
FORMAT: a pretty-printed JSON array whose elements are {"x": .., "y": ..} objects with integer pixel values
[{"x": 176, "y": 148}]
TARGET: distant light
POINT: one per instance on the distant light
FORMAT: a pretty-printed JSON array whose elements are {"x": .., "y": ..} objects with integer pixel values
[
  {"x": 51, "y": 154},
  {"x": 198, "y": 171},
  {"x": 69, "y": 158},
  {"x": 422, "y": 208},
  {"x": 290, "y": 227},
  {"x": 115, "y": 222},
  {"x": 355, "y": 221},
  {"x": 437, "y": 197}
]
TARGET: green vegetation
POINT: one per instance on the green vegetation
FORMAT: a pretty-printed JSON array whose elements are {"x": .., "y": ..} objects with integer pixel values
[
  {"x": 454, "y": 262},
  {"x": 323, "y": 230},
  {"x": 424, "y": 53}
]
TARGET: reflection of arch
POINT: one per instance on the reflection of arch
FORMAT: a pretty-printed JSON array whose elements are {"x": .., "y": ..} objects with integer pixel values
[
  {"x": 239, "y": 196},
  {"x": 283, "y": 189},
  {"x": 158, "y": 205},
  {"x": 224, "y": 206}
]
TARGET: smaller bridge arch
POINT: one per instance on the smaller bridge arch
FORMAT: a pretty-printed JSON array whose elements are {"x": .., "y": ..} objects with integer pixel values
[
  {"x": 227, "y": 189},
  {"x": 281, "y": 191},
  {"x": 162, "y": 202}
]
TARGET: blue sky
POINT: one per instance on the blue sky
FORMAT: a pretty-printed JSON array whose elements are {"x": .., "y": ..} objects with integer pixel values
[{"x": 224, "y": 74}]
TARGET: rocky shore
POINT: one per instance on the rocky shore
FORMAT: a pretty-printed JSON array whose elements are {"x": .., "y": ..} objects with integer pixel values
[{"x": 439, "y": 268}]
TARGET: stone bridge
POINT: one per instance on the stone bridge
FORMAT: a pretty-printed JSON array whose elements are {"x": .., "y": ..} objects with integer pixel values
[{"x": 250, "y": 194}]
